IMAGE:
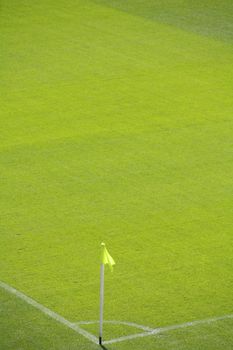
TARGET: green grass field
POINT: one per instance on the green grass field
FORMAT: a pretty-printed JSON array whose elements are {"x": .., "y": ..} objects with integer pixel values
[{"x": 116, "y": 126}]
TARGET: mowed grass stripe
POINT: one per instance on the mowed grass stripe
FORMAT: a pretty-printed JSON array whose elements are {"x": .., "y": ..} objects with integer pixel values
[
  {"x": 210, "y": 18},
  {"x": 119, "y": 129}
]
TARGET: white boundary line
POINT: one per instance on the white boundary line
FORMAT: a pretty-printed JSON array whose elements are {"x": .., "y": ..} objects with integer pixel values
[
  {"x": 49, "y": 312},
  {"x": 75, "y": 326}
]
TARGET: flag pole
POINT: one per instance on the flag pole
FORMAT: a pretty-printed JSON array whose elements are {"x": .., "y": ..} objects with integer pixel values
[
  {"x": 101, "y": 300},
  {"x": 105, "y": 259}
]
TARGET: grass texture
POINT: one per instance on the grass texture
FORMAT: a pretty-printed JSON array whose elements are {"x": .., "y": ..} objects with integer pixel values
[{"x": 116, "y": 126}]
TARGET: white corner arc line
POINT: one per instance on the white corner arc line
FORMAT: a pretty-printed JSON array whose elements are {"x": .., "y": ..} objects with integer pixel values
[
  {"x": 124, "y": 323},
  {"x": 169, "y": 328},
  {"x": 129, "y": 337},
  {"x": 49, "y": 312}
]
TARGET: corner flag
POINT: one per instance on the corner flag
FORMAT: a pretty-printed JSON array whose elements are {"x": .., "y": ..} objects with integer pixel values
[{"x": 106, "y": 259}]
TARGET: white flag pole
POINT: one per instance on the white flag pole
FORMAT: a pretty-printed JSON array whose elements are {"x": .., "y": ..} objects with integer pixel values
[{"x": 101, "y": 302}]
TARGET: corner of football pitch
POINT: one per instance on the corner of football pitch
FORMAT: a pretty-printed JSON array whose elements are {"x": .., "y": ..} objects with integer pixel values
[{"x": 116, "y": 127}]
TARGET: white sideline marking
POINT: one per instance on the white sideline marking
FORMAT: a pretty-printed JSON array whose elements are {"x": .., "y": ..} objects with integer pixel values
[
  {"x": 148, "y": 331},
  {"x": 49, "y": 312}
]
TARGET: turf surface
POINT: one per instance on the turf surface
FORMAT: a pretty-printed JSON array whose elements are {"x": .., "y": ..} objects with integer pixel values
[{"x": 116, "y": 126}]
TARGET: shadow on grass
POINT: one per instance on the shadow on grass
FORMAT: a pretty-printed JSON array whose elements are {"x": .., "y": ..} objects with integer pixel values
[{"x": 103, "y": 347}]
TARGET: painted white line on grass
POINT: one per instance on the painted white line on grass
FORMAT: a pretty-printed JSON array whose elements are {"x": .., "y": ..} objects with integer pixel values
[
  {"x": 194, "y": 323},
  {"x": 75, "y": 326},
  {"x": 124, "y": 323},
  {"x": 148, "y": 330},
  {"x": 128, "y": 337},
  {"x": 169, "y": 328},
  {"x": 49, "y": 312}
]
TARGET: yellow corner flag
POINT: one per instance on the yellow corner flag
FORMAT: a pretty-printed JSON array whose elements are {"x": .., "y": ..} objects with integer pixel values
[{"x": 106, "y": 257}]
